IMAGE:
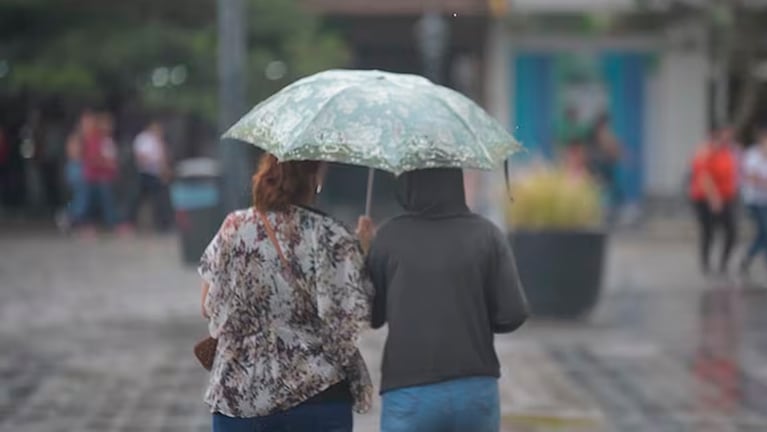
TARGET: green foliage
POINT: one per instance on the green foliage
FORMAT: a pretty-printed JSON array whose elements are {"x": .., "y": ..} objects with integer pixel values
[
  {"x": 96, "y": 50},
  {"x": 553, "y": 199}
]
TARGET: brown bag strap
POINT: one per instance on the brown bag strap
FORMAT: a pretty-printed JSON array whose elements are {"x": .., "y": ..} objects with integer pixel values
[{"x": 273, "y": 238}]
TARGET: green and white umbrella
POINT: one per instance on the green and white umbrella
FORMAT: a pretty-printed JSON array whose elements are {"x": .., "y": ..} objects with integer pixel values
[{"x": 381, "y": 120}]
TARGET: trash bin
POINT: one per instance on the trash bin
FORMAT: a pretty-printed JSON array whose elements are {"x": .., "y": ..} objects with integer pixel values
[{"x": 195, "y": 195}]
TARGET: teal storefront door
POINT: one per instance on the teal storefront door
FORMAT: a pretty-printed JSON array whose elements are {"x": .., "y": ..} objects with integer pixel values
[{"x": 557, "y": 96}]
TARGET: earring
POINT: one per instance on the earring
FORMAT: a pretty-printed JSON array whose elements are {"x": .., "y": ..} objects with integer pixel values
[{"x": 319, "y": 189}]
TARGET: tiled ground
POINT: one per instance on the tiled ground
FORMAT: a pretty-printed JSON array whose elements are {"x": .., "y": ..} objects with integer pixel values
[{"x": 97, "y": 336}]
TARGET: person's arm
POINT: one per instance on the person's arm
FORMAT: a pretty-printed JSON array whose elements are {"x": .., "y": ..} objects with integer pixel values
[
  {"x": 167, "y": 169},
  {"x": 109, "y": 156},
  {"x": 376, "y": 267},
  {"x": 205, "y": 290},
  {"x": 713, "y": 197},
  {"x": 216, "y": 274},
  {"x": 366, "y": 231},
  {"x": 507, "y": 303},
  {"x": 74, "y": 149}
]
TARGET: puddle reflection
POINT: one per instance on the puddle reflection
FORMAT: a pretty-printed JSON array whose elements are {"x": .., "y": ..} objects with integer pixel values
[
  {"x": 725, "y": 380},
  {"x": 716, "y": 366}
]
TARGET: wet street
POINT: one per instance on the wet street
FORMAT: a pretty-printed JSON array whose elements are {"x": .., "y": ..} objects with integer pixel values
[{"x": 96, "y": 335}]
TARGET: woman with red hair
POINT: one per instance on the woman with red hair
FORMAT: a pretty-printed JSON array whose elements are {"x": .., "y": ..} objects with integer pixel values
[{"x": 286, "y": 294}]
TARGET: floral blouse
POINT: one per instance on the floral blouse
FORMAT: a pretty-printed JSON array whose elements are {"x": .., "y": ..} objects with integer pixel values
[{"x": 284, "y": 335}]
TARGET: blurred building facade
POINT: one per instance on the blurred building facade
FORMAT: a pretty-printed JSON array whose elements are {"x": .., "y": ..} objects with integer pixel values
[
  {"x": 556, "y": 62},
  {"x": 389, "y": 36},
  {"x": 385, "y": 35},
  {"x": 538, "y": 65}
]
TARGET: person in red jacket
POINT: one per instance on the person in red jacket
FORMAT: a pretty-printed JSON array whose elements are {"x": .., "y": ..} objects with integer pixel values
[
  {"x": 99, "y": 156},
  {"x": 713, "y": 191}
]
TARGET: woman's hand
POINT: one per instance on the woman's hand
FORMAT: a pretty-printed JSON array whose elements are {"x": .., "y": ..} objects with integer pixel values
[
  {"x": 205, "y": 289},
  {"x": 716, "y": 204},
  {"x": 366, "y": 230}
]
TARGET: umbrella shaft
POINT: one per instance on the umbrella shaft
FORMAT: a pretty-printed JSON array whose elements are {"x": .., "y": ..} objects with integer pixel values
[{"x": 369, "y": 197}]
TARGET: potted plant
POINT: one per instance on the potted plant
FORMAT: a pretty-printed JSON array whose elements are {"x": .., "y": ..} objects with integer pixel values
[{"x": 554, "y": 224}]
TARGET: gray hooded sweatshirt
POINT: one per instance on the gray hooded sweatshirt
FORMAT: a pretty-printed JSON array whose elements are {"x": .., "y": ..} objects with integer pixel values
[{"x": 445, "y": 281}]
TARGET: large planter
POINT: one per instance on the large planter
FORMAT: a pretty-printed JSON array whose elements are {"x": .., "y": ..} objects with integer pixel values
[{"x": 560, "y": 270}]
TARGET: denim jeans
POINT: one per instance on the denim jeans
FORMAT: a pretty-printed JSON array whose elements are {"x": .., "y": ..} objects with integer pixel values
[
  {"x": 759, "y": 244},
  {"x": 78, "y": 204},
  {"x": 468, "y": 404},
  {"x": 101, "y": 194},
  {"x": 319, "y": 417}
]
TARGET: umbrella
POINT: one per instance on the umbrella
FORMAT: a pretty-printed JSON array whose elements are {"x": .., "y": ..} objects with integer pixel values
[{"x": 381, "y": 120}]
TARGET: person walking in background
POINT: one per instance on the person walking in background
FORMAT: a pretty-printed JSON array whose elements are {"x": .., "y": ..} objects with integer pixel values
[
  {"x": 445, "y": 281},
  {"x": 606, "y": 153},
  {"x": 78, "y": 205},
  {"x": 99, "y": 156},
  {"x": 574, "y": 159},
  {"x": 713, "y": 191},
  {"x": 754, "y": 190},
  {"x": 150, "y": 152},
  {"x": 570, "y": 138},
  {"x": 287, "y": 295}
]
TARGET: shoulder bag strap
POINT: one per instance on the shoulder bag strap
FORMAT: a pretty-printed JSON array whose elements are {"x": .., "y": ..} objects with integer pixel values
[
  {"x": 273, "y": 237},
  {"x": 285, "y": 264}
]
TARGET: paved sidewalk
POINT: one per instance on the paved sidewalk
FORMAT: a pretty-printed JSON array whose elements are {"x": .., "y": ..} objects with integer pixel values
[{"x": 99, "y": 335}]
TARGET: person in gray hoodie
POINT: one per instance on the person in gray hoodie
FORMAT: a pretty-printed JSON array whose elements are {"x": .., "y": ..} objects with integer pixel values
[{"x": 446, "y": 282}]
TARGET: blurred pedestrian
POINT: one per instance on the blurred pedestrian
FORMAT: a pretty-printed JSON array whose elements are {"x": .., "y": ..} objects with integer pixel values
[
  {"x": 78, "y": 206},
  {"x": 445, "y": 281},
  {"x": 605, "y": 157},
  {"x": 286, "y": 293},
  {"x": 99, "y": 156},
  {"x": 713, "y": 191},
  {"x": 754, "y": 190},
  {"x": 574, "y": 160},
  {"x": 150, "y": 153},
  {"x": 570, "y": 138}
]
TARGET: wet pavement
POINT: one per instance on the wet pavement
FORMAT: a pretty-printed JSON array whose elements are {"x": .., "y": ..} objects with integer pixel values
[{"x": 96, "y": 336}]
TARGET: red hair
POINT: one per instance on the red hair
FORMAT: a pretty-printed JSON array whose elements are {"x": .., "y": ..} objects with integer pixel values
[{"x": 278, "y": 185}]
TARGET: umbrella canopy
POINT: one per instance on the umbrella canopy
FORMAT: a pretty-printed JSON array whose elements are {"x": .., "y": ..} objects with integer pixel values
[{"x": 382, "y": 120}]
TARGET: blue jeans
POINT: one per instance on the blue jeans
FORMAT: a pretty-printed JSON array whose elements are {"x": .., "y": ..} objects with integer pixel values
[
  {"x": 320, "y": 417},
  {"x": 759, "y": 216},
  {"x": 468, "y": 404},
  {"x": 78, "y": 204},
  {"x": 99, "y": 193}
]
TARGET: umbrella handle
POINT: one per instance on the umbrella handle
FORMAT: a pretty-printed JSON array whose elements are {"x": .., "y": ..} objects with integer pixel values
[{"x": 369, "y": 197}]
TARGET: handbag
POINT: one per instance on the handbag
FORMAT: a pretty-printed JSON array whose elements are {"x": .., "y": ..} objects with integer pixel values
[{"x": 205, "y": 350}]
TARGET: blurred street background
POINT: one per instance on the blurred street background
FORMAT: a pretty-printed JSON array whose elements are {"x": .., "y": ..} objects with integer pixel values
[
  {"x": 97, "y": 336},
  {"x": 99, "y": 298}
]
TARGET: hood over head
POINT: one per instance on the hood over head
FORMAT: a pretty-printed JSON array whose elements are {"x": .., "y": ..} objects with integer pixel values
[{"x": 432, "y": 192}]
